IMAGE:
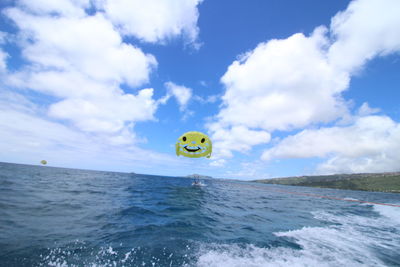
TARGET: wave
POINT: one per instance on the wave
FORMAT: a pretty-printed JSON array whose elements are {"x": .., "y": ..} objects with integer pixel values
[
  {"x": 109, "y": 256},
  {"x": 391, "y": 213},
  {"x": 349, "y": 240},
  {"x": 370, "y": 238}
]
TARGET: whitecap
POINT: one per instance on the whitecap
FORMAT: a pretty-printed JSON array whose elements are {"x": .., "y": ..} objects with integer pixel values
[
  {"x": 388, "y": 212},
  {"x": 349, "y": 240}
]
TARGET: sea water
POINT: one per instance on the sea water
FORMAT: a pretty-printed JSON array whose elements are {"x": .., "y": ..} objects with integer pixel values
[{"x": 67, "y": 217}]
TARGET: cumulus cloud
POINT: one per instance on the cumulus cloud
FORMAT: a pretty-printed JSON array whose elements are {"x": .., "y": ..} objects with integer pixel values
[
  {"x": 3, "y": 55},
  {"x": 283, "y": 84},
  {"x": 28, "y": 135},
  {"x": 366, "y": 29},
  {"x": 154, "y": 20},
  {"x": 87, "y": 45},
  {"x": 2, "y": 37},
  {"x": 218, "y": 163},
  {"x": 206, "y": 100},
  {"x": 371, "y": 144},
  {"x": 181, "y": 93},
  {"x": 237, "y": 138},
  {"x": 3, "y": 63},
  {"x": 84, "y": 65},
  {"x": 74, "y": 8},
  {"x": 365, "y": 109},
  {"x": 86, "y": 62},
  {"x": 296, "y": 82},
  {"x": 22, "y": 128},
  {"x": 248, "y": 171},
  {"x": 102, "y": 115}
]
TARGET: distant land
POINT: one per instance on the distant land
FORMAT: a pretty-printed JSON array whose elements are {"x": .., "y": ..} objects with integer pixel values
[
  {"x": 198, "y": 176},
  {"x": 380, "y": 182}
]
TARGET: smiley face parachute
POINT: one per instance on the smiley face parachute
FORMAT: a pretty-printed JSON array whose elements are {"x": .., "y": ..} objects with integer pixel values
[
  {"x": 194, "y": 145},
  {"x": 43, "y": 162}
]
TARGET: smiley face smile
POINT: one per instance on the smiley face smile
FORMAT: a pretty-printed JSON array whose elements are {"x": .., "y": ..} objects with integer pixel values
[{"x": 191, "y": 149}]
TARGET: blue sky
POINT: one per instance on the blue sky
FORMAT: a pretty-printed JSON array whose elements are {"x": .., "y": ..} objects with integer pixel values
[{"x": 281, "y": 87}]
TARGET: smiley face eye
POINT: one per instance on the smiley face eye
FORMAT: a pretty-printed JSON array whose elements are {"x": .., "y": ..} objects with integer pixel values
[
  {"x": 184, "y": 139},
  {"x": 203, "y": 140}
]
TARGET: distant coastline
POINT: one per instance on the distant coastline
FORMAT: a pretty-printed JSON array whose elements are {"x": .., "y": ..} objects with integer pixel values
[
  {"x": 388, "y": 182},
  {"x": 198, "y": 176}
]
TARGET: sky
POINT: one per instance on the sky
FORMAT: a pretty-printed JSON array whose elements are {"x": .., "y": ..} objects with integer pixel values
[{"x": 282, "y": 88}]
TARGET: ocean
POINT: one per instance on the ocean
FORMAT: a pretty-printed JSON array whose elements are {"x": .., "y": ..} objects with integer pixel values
[{"x": 67, "y": 217}]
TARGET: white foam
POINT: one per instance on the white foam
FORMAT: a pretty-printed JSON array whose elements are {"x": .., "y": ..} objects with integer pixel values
[
  {"x": 234, "y": 256},
  {"x": 319, "y": 247},
  {"x": 352, "y": 240},
  {"x": 349, "y": 240},
  {"x": 58, "y": 257},
  {"x": 111, "y": 251},
  {"x": 103, "y": 257},
  {"x": 198, "y": 184},
  {"x": 392, "y": 213},
  {"x": 350, "y": 198}
]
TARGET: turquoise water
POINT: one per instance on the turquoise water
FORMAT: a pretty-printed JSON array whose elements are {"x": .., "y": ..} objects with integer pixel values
[{"x": 66, "y": 217}]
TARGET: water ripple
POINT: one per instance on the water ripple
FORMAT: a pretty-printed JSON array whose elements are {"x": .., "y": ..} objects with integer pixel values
[{"x": 65, "y": 217}]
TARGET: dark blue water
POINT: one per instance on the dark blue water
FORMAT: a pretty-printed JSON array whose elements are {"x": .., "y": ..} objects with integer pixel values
[{"x": 65, "y": 217}]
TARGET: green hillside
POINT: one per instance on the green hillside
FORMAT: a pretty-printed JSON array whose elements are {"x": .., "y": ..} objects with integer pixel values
[{"x": 382, "y": 182}]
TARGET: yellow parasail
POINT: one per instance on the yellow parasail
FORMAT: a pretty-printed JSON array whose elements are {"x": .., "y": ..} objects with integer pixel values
[
  {"x": 43, "y": 162},
  {"x": 194, "y": 145}
]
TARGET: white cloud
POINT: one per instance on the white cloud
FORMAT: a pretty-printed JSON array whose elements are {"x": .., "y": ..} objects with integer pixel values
[
  {"x": 87, "y": 45},
  {"x": 84, "y": 64},
  {"x": 154, "y": 20},
  {"x": 73, "y": 8},
  {"x": 218, "y": 163},
  {"x": 247, "y": 171},
  {"x": 181, "y": 93},
  {"x": 280, "y": 85},
  {"x": 297, "y": 82},
  {"x": 205, "y": 100},
  {"x": 3, "y": 63},
  {"x": 283, "y": 84},
  {"x": 371, "y": 144},
  {"x": 80, "y": 62},
  {"x": 183, "y": 96},
  {"x": 58, "y": 83},
  {"x": 237, "y": 138},
  {"x": 105, "y": 115},
  {"x": 366, "y": 29},
  {"x": 28, "y": 135},
  {"x": 365, "y": 110},
  {"x": 3, "y": 36},
  {"x": 3, "y": 55},
  {"x": 21, "y": 126}
]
